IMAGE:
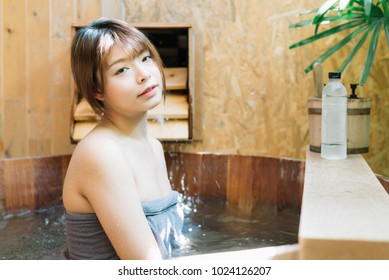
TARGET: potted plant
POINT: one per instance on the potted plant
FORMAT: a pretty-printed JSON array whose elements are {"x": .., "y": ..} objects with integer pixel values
[{"x": 364, "y": 20}]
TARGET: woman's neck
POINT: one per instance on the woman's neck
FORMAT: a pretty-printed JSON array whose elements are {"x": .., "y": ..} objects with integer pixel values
[{"x": 134, "y": 126}]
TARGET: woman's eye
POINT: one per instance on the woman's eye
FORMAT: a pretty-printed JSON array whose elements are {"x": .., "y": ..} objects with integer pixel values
[
  {"x": 121, "y": 70},
  {"x": 147, "y": 58}
]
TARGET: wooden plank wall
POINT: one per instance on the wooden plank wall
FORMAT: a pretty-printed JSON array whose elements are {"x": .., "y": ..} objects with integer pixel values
[
  {"x": 250, "y": 89},
  {"x": 35, "y": 74}
]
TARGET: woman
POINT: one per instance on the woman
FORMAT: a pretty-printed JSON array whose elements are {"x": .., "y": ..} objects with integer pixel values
[{"x": 117, "y": 197}]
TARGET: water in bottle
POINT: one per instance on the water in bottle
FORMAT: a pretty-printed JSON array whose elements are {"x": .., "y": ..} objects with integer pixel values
[{"x": 334, "y": 119}]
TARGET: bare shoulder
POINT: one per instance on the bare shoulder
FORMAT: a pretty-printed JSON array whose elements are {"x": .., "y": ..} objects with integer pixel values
[
  {"x": 96, "y": 152},
  {"x": 94, "y": 162}
]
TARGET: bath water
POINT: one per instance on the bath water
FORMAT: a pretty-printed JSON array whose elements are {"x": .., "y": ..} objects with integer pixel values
[{"x": 211, "y": 226}]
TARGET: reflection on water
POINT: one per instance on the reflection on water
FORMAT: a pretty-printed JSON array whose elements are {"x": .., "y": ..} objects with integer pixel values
[
  {"x": 214, "y": 226},
  {"x": 211, "y": 226}
]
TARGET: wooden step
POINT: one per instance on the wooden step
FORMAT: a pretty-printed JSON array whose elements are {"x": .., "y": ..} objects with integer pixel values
[
  {"x": 163, "y": 130},
  {"x": 84, "y": 112},
  {"x": 175, "y": 106},
  {"x": 176, "y": 78}
]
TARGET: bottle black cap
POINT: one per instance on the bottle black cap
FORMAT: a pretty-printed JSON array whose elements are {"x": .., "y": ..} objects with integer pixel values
[{"x": 334, "y": 75}]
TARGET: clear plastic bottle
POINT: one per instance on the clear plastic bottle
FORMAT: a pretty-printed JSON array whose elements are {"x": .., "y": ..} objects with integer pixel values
[{"x": 334, "y": 119}]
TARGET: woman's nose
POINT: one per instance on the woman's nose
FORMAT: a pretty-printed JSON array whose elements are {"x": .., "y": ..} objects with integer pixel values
[{"x": 143, "y": 75}]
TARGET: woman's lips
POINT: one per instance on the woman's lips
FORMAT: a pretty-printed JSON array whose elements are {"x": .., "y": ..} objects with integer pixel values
[{"x": 149, "y": 91}]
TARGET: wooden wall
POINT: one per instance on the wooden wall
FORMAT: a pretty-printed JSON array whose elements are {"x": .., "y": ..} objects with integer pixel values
[{"x": 251, "y": 92}]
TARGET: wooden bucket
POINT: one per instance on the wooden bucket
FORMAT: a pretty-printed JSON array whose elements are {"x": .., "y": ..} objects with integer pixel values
[{"x": 358, "y": 125}]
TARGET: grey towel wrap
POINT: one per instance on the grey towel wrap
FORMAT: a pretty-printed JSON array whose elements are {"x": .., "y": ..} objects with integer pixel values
[{"x": 87, "y": 239}]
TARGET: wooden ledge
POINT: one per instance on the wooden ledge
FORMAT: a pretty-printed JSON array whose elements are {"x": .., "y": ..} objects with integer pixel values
[{"x": 345, "y": 211}]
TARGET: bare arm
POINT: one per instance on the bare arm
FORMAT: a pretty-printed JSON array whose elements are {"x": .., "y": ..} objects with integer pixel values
[{"x": 110, "y": 188}]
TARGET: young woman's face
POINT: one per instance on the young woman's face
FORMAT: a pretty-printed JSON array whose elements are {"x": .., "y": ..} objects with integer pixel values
[{"x": 130, "y": 86}]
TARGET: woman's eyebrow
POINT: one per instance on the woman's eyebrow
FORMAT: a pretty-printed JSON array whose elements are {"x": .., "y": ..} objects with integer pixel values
[{"x": 117, "y": 61}]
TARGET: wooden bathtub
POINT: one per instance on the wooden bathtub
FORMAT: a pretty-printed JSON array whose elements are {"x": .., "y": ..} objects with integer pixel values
[{"x": 246, "y": 181}]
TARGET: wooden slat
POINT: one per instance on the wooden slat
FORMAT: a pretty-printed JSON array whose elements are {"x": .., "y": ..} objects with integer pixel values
[
  {"x": 81, "y": 129},
  {"x": 31, "y": 183},
  {"x": 14, "y": 51},
  {"x": 112, "y": 9},
  {"x": 38, "y": 97},
  {"x": 2, "y": 188},
  {"x": 175, "y": 106},
  {"x": 87, "y": 10},
  {"x": 14, "y": 55},
  {"x": 19, "y": 190},
  {"x": 239, "y": 182},
  {"x": 169, "y": 129},
  {"x": 176, "y": 78},
  {"x": 60, "y": 75},
  {"x": 84, "y": 112},
  {"x": 185, "y": 171},
  {"x": 1, "y": 82}
]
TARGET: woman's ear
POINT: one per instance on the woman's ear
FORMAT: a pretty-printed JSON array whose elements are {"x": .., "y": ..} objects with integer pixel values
[{"x": 99, "y": 96}]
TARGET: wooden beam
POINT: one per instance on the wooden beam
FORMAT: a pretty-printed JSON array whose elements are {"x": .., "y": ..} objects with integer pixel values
[{"x": 345, "y": 211}]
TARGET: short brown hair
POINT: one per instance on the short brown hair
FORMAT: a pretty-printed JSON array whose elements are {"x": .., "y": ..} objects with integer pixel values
[{"x": 90, "y": 47}]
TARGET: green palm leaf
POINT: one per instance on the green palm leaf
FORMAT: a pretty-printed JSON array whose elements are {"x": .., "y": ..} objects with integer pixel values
[
  {"x": 355, "y": 49},
  {"x": 327, "y": 6},
  {"x": 329, "y": 32},
  {"x": 335, "y": 48},
  {"x": 371, "y": 52},
  {"x": 367, "y": 4},
  {"x": 366, "y": 16},
  {"x": 385, "y": 7},
  {"x": 386, "y": 28}
]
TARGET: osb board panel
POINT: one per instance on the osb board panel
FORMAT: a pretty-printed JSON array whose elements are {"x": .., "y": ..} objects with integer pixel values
[
  {"x": 253, "y": 95},
  {"x": 250, "y": 89}
]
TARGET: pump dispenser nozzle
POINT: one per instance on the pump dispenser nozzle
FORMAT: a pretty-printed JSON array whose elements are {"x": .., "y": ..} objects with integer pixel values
[{"x": 353, "y": 88}]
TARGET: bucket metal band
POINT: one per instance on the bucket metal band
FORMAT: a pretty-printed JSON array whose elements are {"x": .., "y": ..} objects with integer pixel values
[
  {"x": 314, "y": 111},
  {"x": 352, "y": 151},
  {"x": 360, "y": 111},
  {"x": 350, "y": 112}
]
